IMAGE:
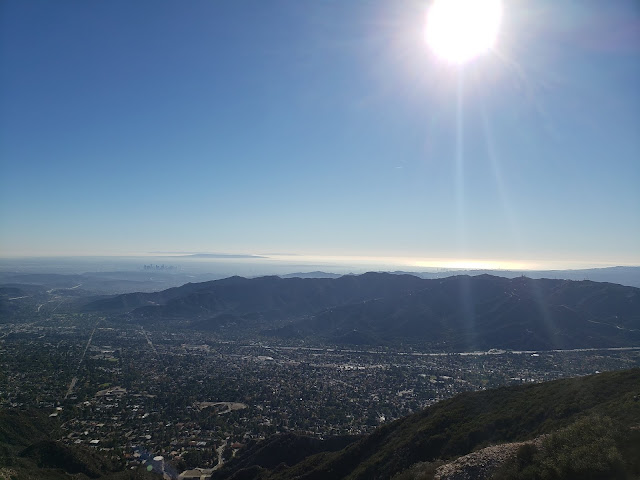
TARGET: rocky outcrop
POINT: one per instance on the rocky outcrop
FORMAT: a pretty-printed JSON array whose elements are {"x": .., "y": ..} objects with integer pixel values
[{"x": 482, "y": 464}]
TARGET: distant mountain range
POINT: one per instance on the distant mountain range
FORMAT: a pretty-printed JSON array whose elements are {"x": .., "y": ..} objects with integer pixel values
[
  {"x": 629, "y": 276},
  {"x": 459, "y": 313},
  {"x": 316, "y": 274}
]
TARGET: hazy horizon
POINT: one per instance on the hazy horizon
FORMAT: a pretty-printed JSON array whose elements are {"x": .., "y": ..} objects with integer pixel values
[{"x": 271, "y": 264}]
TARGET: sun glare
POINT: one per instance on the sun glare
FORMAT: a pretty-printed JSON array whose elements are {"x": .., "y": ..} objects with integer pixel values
[
  {"x": 468, "y": 264},
  {"x": 460, "y": 30}
]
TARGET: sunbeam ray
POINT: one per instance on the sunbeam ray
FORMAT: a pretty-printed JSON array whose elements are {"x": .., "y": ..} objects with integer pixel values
[
  {"x": 459, "y": 167},
  {"x": 497, "y": 173}
]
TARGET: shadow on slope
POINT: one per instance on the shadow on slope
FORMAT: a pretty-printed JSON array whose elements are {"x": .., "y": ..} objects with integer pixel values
[{"x": 473, "y": 420}]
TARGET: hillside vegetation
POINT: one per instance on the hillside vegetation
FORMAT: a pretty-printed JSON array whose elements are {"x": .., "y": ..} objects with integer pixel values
[
  {"x": 28, "y": 453},
  {"x": 459, "y": 313},
  {"x": 471, "y": 421}
]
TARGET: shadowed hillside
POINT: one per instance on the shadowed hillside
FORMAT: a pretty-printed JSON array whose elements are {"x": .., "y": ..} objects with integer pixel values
[
  {"x": 28, "y": 453},
  {"x": 459, "y": 313},
  {"x": 470, "y": 421}
]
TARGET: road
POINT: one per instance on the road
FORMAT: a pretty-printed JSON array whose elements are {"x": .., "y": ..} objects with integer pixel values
[
  {"x": 146, "y": 335},
  {"x": 444, "y": 354},
  {"x": 220, "y": 459},
  {"x": 74, "y": 380}
]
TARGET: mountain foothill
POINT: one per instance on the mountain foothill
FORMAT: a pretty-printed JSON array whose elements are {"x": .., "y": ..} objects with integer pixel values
[{"x": 458, "y": 313}]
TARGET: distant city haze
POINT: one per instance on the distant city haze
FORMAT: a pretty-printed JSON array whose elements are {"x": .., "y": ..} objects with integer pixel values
[{"x": 176, "y": 269}]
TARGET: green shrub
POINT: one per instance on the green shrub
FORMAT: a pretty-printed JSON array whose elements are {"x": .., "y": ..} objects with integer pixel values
[
  {"x": 419, "y": 471},
  {"x": 586, "y": 450}
]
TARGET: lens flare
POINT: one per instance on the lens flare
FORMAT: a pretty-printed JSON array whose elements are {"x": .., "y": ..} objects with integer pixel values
[{"x": 460, "y": 30}]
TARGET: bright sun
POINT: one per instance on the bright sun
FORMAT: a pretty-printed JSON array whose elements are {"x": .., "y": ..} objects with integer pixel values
[{"x": 460, "y": 30}]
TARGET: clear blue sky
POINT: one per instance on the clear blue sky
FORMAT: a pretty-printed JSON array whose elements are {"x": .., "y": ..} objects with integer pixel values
[{"x": 318, "y": 128}]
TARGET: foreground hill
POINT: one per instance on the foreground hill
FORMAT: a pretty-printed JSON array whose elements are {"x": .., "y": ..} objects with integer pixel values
[
  {"x": 28, "y": 453},
  {"x": 450, "y": 314},
  {"x": 471, "y": 421}
]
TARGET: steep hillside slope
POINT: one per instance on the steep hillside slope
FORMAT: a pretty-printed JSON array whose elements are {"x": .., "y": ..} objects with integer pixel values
[
  {"x": 470, "y": 421},
  {"x": 28, "y": 453}
]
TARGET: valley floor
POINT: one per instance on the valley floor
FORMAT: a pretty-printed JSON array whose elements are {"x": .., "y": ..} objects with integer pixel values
[{"x": 139, "y": 393}]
